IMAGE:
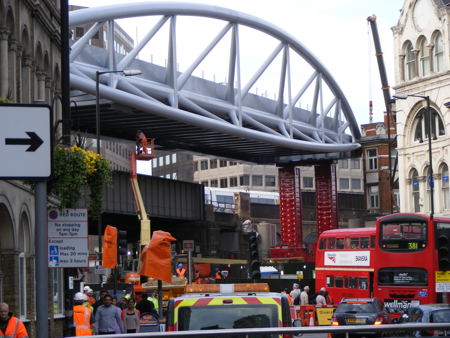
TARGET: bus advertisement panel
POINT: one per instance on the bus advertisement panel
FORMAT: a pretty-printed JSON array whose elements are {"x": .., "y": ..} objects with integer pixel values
[{"x": 344, "y": 263}]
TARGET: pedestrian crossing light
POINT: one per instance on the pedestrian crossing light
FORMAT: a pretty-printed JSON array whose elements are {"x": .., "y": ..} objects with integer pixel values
[
  {"x": 443, "y": 242},
  {"x": 122, "y": 243},
  {"x": 255, "y": 265}
]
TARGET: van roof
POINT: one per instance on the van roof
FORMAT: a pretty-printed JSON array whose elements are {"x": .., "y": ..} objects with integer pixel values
[{"x": 234, "y": 294}]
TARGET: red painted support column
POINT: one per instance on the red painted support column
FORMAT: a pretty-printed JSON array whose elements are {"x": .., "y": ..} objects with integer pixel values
[
  {"x": 326, "y": 197},
  {"x": 290, "y": 215}
]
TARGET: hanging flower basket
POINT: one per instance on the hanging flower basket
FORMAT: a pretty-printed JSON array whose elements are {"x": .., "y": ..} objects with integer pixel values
[{"x": 74, "y": 169}]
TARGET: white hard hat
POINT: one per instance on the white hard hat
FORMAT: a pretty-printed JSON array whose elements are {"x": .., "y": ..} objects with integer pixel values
[
  {"x": 80, "y": 296},
  {"x": 87, "y": 289}
]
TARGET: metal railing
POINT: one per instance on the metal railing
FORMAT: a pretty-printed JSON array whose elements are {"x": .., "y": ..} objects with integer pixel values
[{"x": 388, "y": 328}]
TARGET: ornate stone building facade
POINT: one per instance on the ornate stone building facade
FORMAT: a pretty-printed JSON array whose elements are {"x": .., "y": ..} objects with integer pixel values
[
  {"x": 30, "y": 68},
  {"x": 422, "y": 48}
]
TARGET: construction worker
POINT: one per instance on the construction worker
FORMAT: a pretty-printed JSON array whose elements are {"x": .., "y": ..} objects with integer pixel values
[
  {"x": 152, "y": 298},
  {"x": 89, "y": 294},
  {"x": 218, "y": 274},
  {"x": 181, "y": 272},
  {"x": 82, "y": 315},
  {"x": 141, "y": 142},
  {"x": 11, "y": 326}
]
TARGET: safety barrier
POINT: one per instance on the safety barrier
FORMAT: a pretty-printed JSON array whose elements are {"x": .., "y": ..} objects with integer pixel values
[{"x": 388, "y": 328}]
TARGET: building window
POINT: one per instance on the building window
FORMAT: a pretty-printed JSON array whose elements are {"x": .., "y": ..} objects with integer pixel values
[
  {"x": 79, "y": 32},
  {"x": 445, "y": 187},
  {"x": 204, "y": 165},
  {"x": 356, "y": 163},
  {"x": 168, "y": 176},
  {"x": 23, "y": 286},
  {"x": 257, "y": 180},
  {"x": 233, "y": 163},
  {"x": 438, "y": 53},
  {"x": 174, "y": 176},
  {"x": 167, "y": 159},
  {"x": 372, "y": 160},
  {"x": 410, "y": 61},
  {"x": 356, "y": 184},
  {"x": 196, "y": 166},
  {"x": 343, "y": 164},
  {"x": 415, "y": 190},
  {"x": 233, "y": 181},
  {"x": 174, "y": 158},
  {"x": 308, "y": 182},
  {"x": 224, "y": 182},
  {"x": 420, "y": 125},
  {"x": 344, "y": 183},
  {"x": 57, "y": 291},
  {"x": 155, "y": 163},
  {"x": 214, "y": 183},
  {"x": 223, "y": 163},
  {"x": 424, "y": 58},
  {"x": 161, "y": 161},
  {"x": 205, "y": 183},
  {"x": 213, "y": 164},
  {"x": 270, "y": 181},
  {"x": 373, "y": 197},
  {"x": 244, "y": 180}
]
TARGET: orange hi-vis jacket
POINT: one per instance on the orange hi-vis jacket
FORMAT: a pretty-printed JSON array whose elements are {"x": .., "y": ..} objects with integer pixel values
[
  {"x": 15, "y": 329},
  {"x": 218, "y": 275},
  {"x": 81, "y": 320},
  {"x": 181, "y": 272}
]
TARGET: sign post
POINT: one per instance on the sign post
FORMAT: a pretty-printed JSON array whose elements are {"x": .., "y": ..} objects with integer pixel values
[{"x": 26, "y": 153}]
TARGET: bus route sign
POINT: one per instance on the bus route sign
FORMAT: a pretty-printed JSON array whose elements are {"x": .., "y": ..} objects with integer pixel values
[{"x": 442, "y": 281}]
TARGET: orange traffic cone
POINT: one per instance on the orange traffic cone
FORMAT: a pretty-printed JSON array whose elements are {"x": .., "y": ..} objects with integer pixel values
[{"x": 311, "y": 320}]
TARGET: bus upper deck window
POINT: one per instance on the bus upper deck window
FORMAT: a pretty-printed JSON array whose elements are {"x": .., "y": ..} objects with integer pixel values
[
  {"x": 322, "y": 243},
  {"x": 372, "y": 242},
  {"x": 331, "y": 243},
  {"x": 355, "y": 243},
  {"x": 340, "y": 243},
  {"x": 364, "y": 242}
]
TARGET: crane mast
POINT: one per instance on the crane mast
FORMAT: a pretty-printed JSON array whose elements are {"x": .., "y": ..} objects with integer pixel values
[{"x": 386, "y": 94}]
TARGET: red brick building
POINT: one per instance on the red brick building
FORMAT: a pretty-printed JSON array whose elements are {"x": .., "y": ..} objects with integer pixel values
[{"x": 381, "y": 194}]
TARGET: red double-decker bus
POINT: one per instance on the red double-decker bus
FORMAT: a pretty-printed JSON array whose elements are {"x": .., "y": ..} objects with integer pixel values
[
  {"x": 407, "y": 259},
  {"x": 345, "y": 262}
]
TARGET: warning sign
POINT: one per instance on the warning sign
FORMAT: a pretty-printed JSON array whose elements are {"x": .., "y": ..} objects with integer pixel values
[{"x": 442, "y": 281}]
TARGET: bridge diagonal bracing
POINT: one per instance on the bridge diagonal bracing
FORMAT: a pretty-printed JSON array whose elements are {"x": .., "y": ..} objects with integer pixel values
[{"x": 307, "y": 116}]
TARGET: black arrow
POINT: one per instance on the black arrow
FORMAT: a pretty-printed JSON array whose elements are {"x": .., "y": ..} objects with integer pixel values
[{"x": 34, "y": 141}]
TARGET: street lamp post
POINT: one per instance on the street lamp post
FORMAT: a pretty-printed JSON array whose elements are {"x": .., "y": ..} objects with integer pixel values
[
  {"x": 430, "y": 154},
  {"x": 126, "y": 72}
]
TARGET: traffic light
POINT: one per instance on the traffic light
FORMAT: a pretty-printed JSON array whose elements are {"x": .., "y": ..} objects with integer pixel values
[
  {"x": 121, "y": 243},
  {"x": 442, "y": 243},
  {"x": 255, "y": 265}
]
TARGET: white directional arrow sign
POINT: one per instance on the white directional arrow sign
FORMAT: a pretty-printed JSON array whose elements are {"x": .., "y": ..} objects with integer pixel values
[{"x": 25, "y": 141}]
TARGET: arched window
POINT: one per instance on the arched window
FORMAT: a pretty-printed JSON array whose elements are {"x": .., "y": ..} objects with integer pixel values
[
  {"x": 410, "y": 62},
  {"x": 445, "y": 186},
  {"x": 424, "y": 58},
  {"x": 415, "y": 201},
  {"x": 438, "y": 53},
  {"x": 420, "y": 125}
]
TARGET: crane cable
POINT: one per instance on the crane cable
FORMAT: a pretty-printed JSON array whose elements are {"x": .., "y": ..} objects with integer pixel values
[{"x": 369, "y": 49}]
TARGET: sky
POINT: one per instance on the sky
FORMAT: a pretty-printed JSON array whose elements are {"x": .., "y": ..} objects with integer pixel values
[{"x": 335, "y": 32}]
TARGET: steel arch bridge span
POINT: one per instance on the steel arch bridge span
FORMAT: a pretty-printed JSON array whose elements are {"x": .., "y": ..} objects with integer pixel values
[{"x": 185, "y": 111}]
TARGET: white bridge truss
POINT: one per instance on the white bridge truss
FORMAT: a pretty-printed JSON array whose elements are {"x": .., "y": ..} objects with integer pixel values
[{"x": 225, "y": 115}]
